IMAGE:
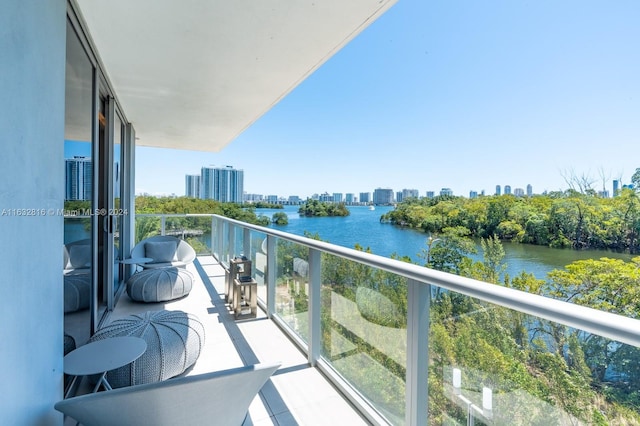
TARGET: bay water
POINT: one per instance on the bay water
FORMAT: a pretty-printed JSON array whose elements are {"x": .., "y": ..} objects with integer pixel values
[{"x": 363, "y": 227}]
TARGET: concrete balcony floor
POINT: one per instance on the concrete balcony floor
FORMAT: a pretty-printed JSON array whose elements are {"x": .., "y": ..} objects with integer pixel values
[{"x": 296, "y": 394}]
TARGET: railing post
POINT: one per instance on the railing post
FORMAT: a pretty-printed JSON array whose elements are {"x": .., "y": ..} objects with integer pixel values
[
  {"x": 271, "y": 275},
  {"x": 214, "y": 232},
  {"x": 417, "y": 390},
  {"x": 232, "y": 241},
  {"x": 220, "y": 239},
  {"x": 315, "y": 339},
  {"x": 163, "y": 220}
]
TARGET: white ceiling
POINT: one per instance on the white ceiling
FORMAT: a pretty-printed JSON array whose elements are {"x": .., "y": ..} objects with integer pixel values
[{"x": 193, "y": 74}]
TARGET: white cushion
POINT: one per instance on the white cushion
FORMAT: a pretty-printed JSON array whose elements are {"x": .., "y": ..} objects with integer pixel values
[{"x": 161, "y": 251}]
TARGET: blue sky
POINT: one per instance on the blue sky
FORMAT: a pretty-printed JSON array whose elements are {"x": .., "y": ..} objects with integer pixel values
[{"x": 448, "y": 93}]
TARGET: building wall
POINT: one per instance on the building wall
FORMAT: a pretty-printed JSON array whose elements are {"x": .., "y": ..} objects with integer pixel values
[
  {"x": 192, "y": 186},
  {"x": 32, "y": 79}
]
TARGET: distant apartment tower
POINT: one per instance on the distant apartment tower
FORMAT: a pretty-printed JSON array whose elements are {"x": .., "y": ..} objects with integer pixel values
[
  {"x": 383, "y": 196},
  {"x": 337, "y": 197},
  {"x": 271, "y": 199},
  {"x": 518, "y": 192},
  {"x": 529, "y": 190},
  {"x": 326, "y": 198},
  {"x": 365, "y": 197},
  {"x": 192, "y": 186},
  {"x": 253, "y": 198},
  {"x": 507, "y": 189},
  {"x": 224, "y": 184},
  {"x": 498, "y": 190},
  {"x": 294, "y": 199},
  {"x": 78, "y": 178},
  {"x": 616, "y": 187},
  {"x": 446, "y": 191},
  {"x": 473, "y": 194},
  {"x": 603, "y": 194},
  {"x": 410, "y": 193},
  {"x": 430, "y": 194},
  {"x": 350, "y": 198}
]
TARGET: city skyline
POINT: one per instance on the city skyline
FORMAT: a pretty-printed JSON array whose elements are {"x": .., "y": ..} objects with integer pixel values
[{"x": 448, "y": 94}]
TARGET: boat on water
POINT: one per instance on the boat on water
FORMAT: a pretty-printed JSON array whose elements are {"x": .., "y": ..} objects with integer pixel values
[{"x": 372, "y": 208}]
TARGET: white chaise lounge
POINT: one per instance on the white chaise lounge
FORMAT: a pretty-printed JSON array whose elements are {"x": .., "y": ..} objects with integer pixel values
[{"x": 220, "y": 398}]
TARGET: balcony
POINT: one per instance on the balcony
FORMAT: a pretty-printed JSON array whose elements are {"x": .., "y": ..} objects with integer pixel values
[{"x": 369, "y": 340}]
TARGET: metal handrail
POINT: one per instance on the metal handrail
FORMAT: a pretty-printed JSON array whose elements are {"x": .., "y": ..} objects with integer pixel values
[{"x": 612, "y": 326}]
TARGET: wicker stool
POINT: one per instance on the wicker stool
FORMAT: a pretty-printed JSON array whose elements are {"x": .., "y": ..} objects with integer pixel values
[
  {"x": 77, "y": 292},
  {"x": 174, "y": 342},
  {"x": 159, "y": 285}
]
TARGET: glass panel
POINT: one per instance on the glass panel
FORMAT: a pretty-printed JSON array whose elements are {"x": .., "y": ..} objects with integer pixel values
[
  {"x": 501, "y": 366},
  {"x": 147, "y": 226},
  {"x": 196, "y": 230},
  {"x": 292, "y": 286},
  {"x": 364, "y": 336},
  {"x": 78, "y": 154},
  {"x": 259, "y": 261}
]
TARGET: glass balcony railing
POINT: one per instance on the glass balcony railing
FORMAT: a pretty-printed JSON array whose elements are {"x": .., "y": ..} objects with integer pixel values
[
  {"x": 410, "y": 345},
  {"x": 195, "y": 229}
]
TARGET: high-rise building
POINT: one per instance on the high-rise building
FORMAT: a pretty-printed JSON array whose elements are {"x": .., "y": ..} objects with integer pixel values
[
  {"x": 518, "y": 192},
  {"x": 410, "y": 193},
  {"x": 446, "y": 191},
  {"x": 383, "y": 196},
  {"x": 192, "y": 186},
  {"x": 473, "y": 194},
  {"x": 529, "y": 190},
  {"x": 350, "y": 198},
  {"x": 78, "y": 178},
  {"x": 224, "y": 184},
  {"x": 616, "y": 187},
  {"x": 337, "y": 197},
  {"x": 253, "y": 198},
  {"x": 365, "y": 197},
  {"x": 430, "y": 194},
  {"x": 507, "y": 189},
  {"x": 498, "y": 190},
  {"x": 326, "y": 198}
]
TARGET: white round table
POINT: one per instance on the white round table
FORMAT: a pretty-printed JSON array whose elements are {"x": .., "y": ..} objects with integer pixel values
[{"x": 102, "y": 356}]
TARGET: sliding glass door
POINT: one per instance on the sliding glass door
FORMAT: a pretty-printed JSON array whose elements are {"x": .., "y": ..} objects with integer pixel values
[{"x": 97, "y": 141}]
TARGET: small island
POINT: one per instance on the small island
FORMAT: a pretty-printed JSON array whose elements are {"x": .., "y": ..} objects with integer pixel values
[{"x": 312, "y": 208}]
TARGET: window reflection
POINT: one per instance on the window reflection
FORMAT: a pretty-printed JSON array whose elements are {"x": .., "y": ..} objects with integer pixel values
[{"x": 79, "y": 186}]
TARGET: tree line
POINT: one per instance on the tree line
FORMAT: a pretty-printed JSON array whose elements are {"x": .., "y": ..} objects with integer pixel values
[
  {"x": 320, "y": 208},
  {"x": 569, "y": 219}
]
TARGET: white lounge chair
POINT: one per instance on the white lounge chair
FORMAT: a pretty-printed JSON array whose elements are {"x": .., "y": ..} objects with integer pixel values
[
  {"x": 219, "y": 398},
  {"x": 165, "y": 250}
]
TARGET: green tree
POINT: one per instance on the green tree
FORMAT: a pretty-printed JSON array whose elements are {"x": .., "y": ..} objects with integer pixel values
[
  {"x": 635, "y": 180},
  {"x": 280, "y": 218},
  {"x": 447, "y": 251}
]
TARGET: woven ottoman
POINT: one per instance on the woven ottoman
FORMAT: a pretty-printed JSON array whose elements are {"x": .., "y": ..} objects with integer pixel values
[
  {"x": 159, "y": 284},
  {"x": 77, "y": 292},
  {"x": 174, "y": 342}
]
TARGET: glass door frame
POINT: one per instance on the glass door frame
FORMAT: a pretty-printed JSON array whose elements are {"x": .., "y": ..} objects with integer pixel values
[{"x": 104, "y": 293}]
